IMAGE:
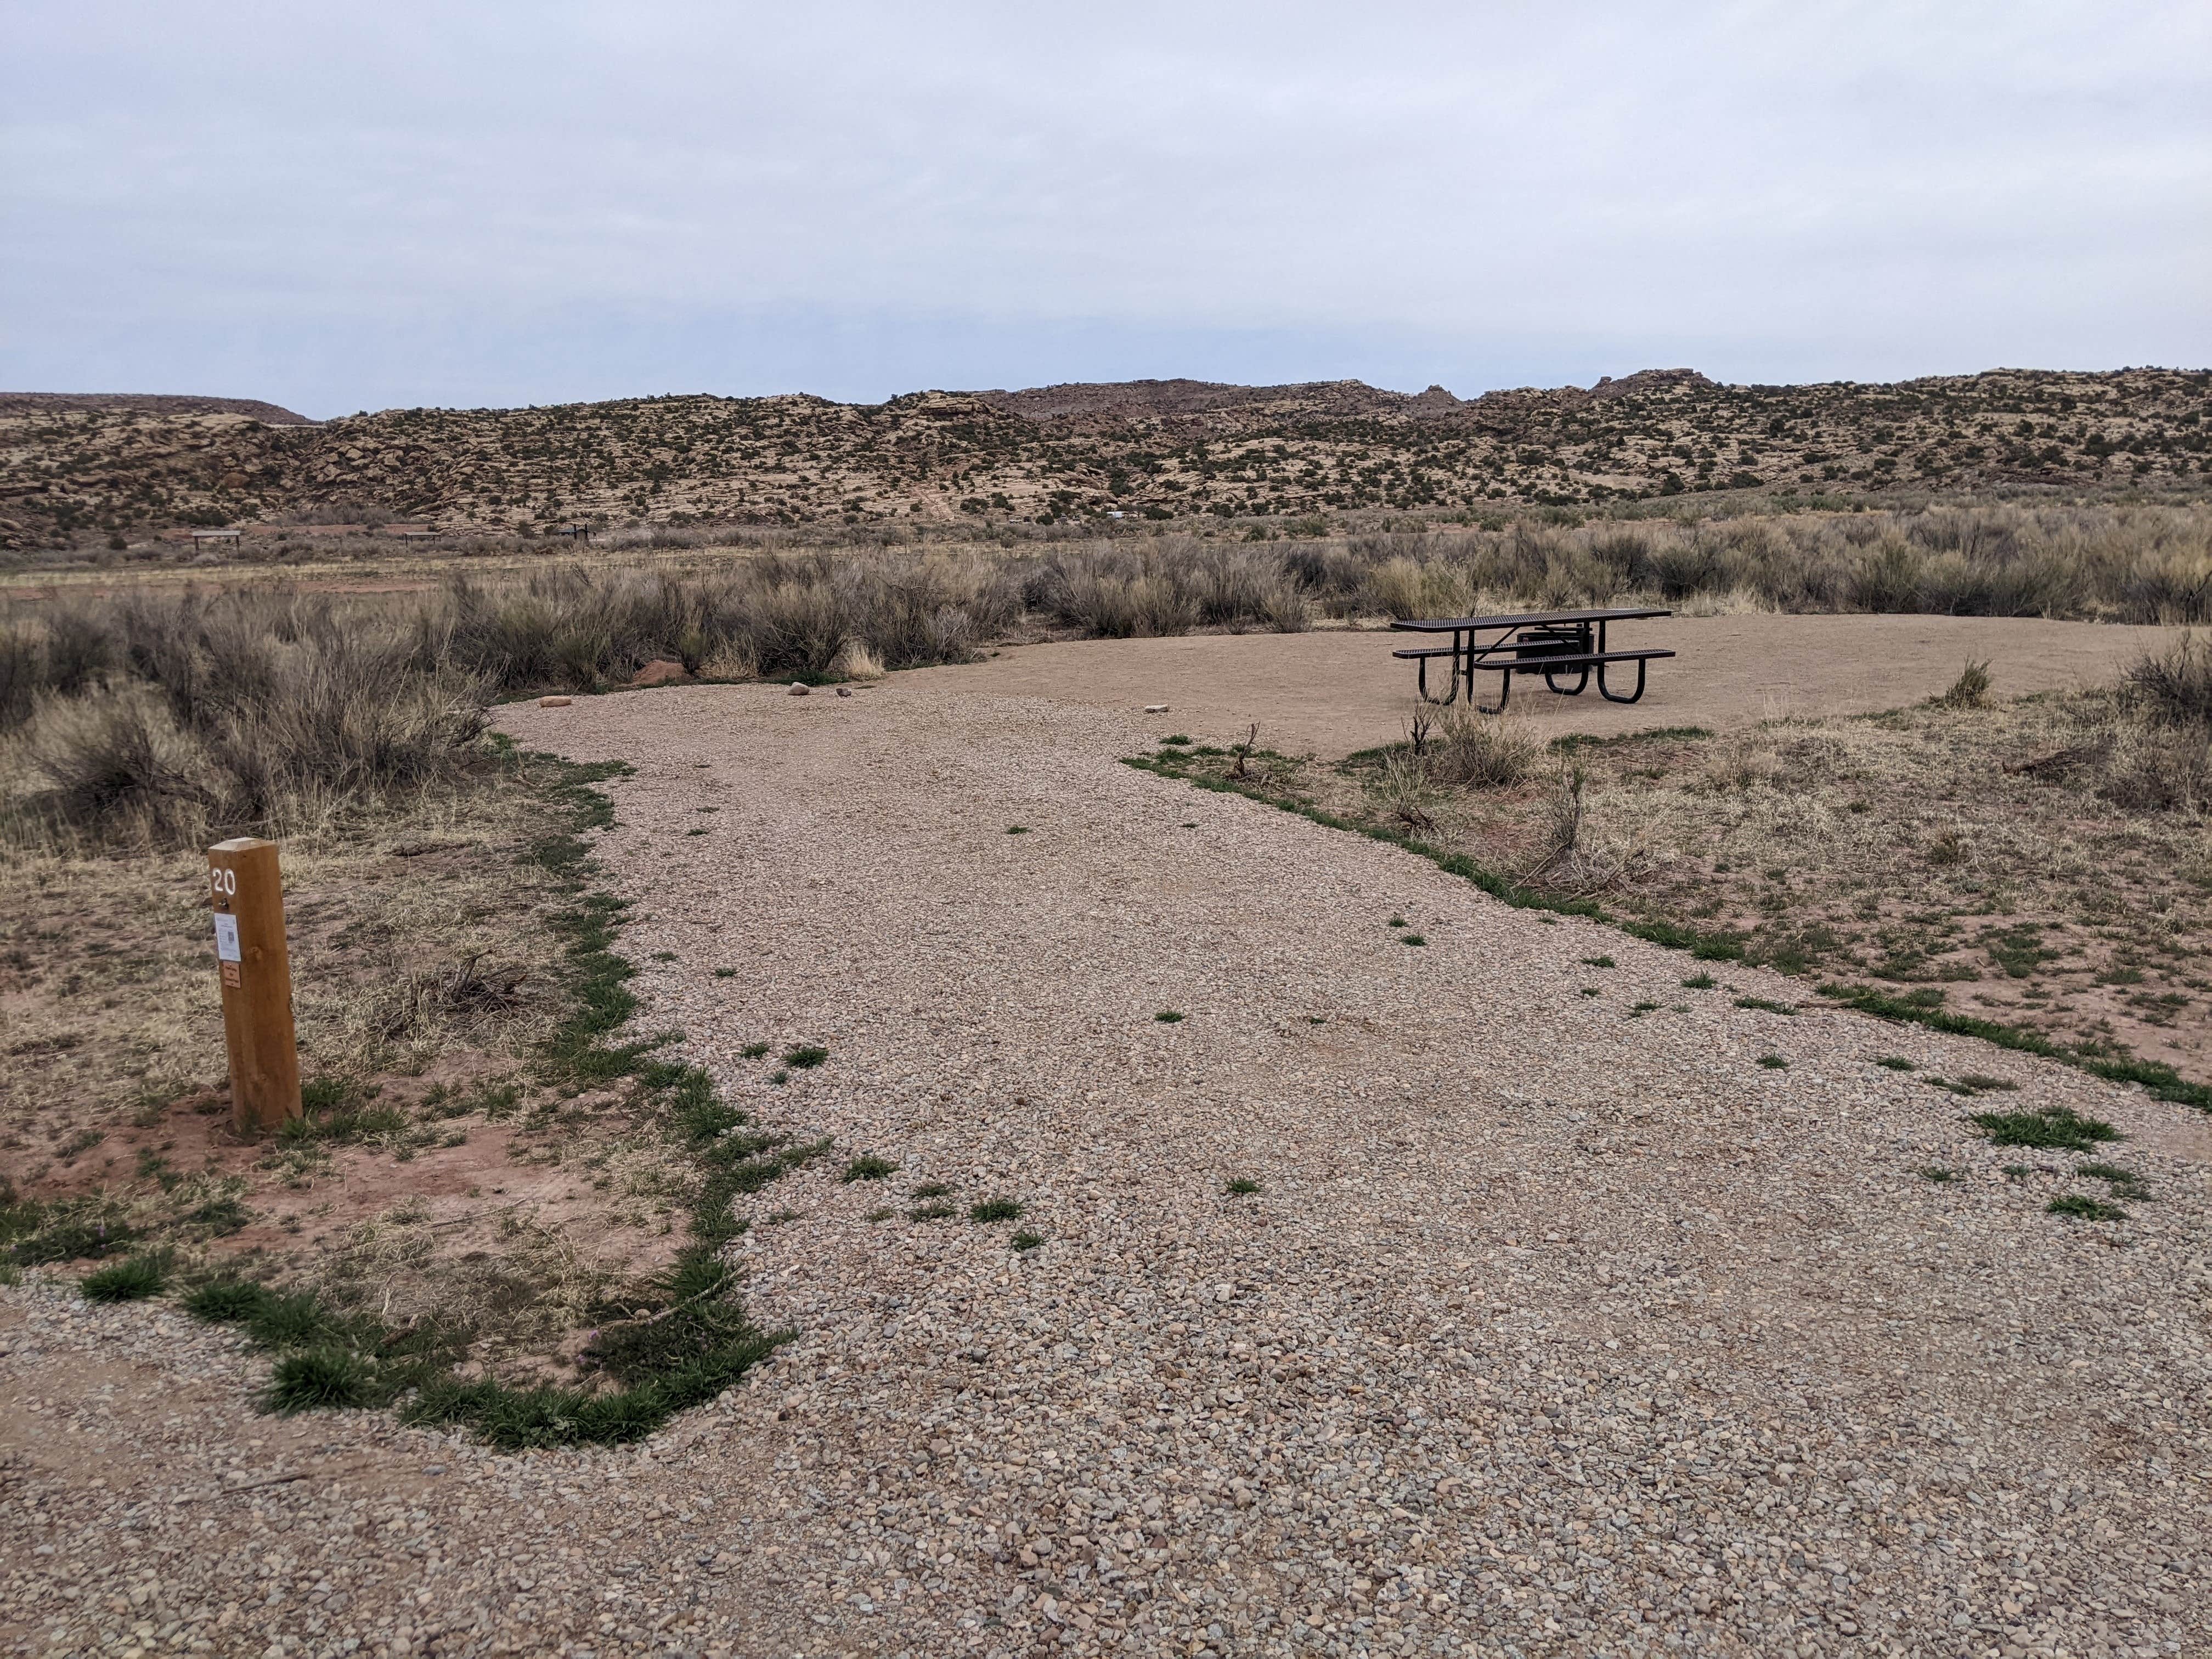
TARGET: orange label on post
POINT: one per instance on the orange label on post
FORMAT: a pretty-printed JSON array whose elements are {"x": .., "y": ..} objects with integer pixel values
[{"x": 246, "y": 892}]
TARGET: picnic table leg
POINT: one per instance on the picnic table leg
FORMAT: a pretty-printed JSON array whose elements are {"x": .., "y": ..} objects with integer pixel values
[
  {"x": 1504, "y": 691},
  {"x": 1635, "y": 696},
  {"x": 1421, "y": 683}
]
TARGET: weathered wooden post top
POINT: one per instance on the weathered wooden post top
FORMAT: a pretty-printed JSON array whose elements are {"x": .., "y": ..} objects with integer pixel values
[{"x": 246, "y": 893}]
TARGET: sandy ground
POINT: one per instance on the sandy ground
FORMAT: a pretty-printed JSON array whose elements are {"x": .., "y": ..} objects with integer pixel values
[
  {"x": 1560, "y": 1324},
  {"x": 1333, "y": 691}
]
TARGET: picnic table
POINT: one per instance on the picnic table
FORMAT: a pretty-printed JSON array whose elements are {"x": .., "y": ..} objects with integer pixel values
[{"x": 1556, "y": 644}]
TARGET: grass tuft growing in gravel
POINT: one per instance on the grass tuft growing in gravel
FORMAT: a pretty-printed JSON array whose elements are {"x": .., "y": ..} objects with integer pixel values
[
  {"x": 2058, "y": 1128},
  {"x": 225, "y": 1301},
  {"x": 2086, "y": 1208},
  {"x": 131, "y": 1279},
  {"x": 1026, "y": 1240},
  {"x": 2125, "y": 1182},
  {"x": 1168, "y": 1017},
  {"x": 869, "y": 1167},
  {"x": 806, "y": 1057},
  {"x": 1240, "y": 1186},
  {"x": 1774, "y": 1062},
  {"x": 995, "y": 1209}
]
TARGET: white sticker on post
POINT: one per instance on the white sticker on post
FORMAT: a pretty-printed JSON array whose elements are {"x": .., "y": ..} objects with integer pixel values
[{"x": 226, "y": 938}]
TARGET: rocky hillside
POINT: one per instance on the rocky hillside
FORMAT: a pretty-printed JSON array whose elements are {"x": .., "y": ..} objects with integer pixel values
[{"x": 77, "y": 468}]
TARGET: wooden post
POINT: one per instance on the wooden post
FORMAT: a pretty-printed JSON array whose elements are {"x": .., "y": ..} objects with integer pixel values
[{"x": 247, "y": 895}]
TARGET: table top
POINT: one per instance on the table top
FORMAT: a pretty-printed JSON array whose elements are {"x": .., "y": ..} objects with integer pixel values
[{"x": 1464, "y": 624}]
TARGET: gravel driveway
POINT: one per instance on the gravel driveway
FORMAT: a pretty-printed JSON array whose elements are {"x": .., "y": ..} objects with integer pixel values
[{"x": 1556, "y": 1326}]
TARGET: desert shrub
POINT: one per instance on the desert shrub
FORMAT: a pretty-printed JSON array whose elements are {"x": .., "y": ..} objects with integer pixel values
[
  {"x": 234, "y": 714},
  {"x": 1476, "y": 750},
  {"x": 1115, "y": 593},
  {"x": 1285, "y": 608},
  {"x": 2174, "y": 685},
  {"x": 1971, "y": 690},
  {"x": 2160, "y": 766},
  {"x": 22, "y": 669}
]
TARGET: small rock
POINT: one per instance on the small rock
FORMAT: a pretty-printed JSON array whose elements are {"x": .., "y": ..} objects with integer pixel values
[
  {"x": 798, "y": 690},
  {"x": 1156, "y": 708},
  {"x": 554, "y": 702},
  {"x": 844, "y": 690}
]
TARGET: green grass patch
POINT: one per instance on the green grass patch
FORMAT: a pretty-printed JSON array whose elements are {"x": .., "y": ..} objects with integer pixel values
[
  {"x": 1577, "y": 740},
  {"x": 2055, "y": 1129},
  {"x": 869, "y": 1167},
  {"x": 1895, "y": 1063},
  {"x": 806, "y": 1057},
  {"x": 1241, "y": 1186},
  {"x": 1774, "y": 1062},
  {"x": 1168, "y": 1017},
  {"x": 933, "y": 1213},
  {"x": 80, "y": 1229},
  {"x": 1599, "y": 962},
  {"x": 995, "y": 1209},
  {"x": 1026, "y": 1240},
  {"x": 2125, "y": 1182},
  {"x": 2086, "y": 1208},
  {"x": 1700, "y": 981},
  {"x": 2159, "y": 1079},
  {"x": 1763, "y": 1005},
  {"x": 1412, "y": 939},
  {"x": 131, "y": 1279},
  {"x": 225, "y": 1301}
]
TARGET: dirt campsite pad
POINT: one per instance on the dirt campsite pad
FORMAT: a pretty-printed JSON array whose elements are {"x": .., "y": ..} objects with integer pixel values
[
  {"x": 1335, "y": 691},
  {"x": 1403, "y": 1273}
]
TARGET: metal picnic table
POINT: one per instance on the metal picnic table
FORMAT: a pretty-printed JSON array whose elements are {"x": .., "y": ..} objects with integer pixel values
[{"x": 1553, "y": 643}]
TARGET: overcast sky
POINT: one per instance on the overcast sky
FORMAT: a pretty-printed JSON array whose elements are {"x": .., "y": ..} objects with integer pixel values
[{"x": 360, "y": 206}]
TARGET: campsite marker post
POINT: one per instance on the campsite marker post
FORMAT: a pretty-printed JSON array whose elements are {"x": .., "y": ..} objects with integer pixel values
[{"x": 247, "y": 893}]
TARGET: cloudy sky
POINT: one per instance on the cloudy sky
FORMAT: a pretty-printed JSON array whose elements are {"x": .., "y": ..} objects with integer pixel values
[{"x": 359, "y": 206}]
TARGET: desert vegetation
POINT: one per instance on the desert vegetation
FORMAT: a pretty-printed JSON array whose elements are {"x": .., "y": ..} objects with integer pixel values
[
  {"x": 106, "y": 476},
  {"x": 160, "y": 718}
]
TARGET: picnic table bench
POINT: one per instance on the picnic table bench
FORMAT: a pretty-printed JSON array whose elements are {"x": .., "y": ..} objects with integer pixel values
[{"x": 1556, "y": 644}]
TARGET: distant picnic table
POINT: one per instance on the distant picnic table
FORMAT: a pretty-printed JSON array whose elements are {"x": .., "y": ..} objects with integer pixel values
[{"x": 1556, "y": 644}]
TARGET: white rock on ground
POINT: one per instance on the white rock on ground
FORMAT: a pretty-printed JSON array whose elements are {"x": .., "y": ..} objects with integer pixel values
[{"x": 1554, "y": 1328}]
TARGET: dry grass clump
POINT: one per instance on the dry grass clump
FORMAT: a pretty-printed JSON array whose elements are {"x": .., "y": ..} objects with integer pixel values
[
  {"x": 159, "y": 720},
  {"x": 1118, "y": 591},
  {"x": 2145, "y": 564},
  {"x": 779, "y": 616},
  {"x": 2175, "y": 685},
  {"x": 1972, "y": 688},
  {"x": 1473, "y": 750}
]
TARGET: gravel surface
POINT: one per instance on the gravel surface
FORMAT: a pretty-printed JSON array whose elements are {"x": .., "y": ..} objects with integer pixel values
[{"x": 1554, "y": 1327}]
